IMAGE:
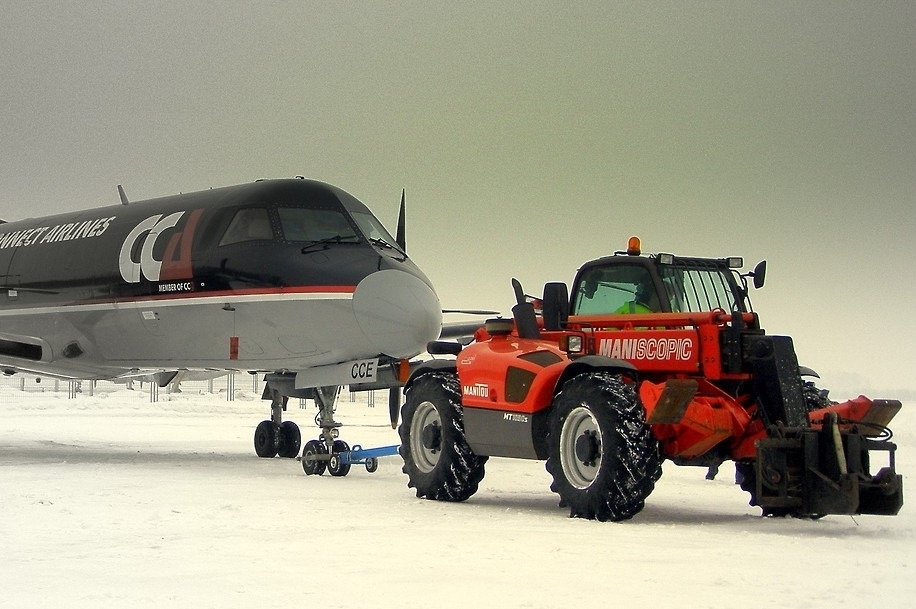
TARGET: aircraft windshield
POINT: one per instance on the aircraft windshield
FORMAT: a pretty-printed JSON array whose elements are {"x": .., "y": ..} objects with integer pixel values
[
  {"x": 249, "y": 224},
  {"x": 312, "y": 225},
  {"x": 374, "y": 230}
]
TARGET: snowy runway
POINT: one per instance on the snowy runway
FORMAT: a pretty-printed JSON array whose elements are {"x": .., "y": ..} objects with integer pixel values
[{"x": 113, "y": 501}]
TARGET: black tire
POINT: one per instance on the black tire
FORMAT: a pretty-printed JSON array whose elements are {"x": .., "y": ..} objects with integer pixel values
[
  {"x": 437, "y": 459},
  {"x": 746, "y": 474},
  {"x": 336, "y": 467},
  {"x": 265, "y": 440},
  {"x": 310, "y": 465},
  {"x": 290, "y": 440},
  {"x": 815, "y": 397},
  {"x": 602, "y": 455}
]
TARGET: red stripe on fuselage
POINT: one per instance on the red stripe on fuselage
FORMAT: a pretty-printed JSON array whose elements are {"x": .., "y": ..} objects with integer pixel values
[{"x": 330, "y": 290}]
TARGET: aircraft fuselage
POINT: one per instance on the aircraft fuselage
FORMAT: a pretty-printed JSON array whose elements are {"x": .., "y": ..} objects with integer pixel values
[{"x": 277, "y": 275}]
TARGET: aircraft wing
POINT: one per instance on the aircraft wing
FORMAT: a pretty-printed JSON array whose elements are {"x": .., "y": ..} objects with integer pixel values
[{"x": 460, "y": 329}]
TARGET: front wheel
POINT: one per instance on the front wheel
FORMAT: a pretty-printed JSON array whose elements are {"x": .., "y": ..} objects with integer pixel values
[
  {"x": 602, "y": 455},
  {"x": 336, "y": 465},
  {"x": 437, "y": 459}
]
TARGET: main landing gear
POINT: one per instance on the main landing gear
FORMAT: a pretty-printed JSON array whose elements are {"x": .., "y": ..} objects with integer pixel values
[{"x": 276, "y": 437}]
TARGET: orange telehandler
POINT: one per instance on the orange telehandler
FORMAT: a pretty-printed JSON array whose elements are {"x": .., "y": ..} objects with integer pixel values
[{"x": 646, "y": 358}]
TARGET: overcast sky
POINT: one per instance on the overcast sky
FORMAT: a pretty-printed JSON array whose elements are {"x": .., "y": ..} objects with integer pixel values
[{"x": 529, "y": 138}]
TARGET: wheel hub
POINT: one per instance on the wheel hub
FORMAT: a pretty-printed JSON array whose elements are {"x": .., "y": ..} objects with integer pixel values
[
  {"x": 432, "y": 436},
  {"x": 588, "y": 448}
]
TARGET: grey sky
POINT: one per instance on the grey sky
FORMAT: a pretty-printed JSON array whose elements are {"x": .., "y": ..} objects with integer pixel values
[{"x": 529, "y": 138}]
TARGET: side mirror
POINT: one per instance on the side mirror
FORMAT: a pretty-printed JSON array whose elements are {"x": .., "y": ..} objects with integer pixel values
[
  {"x": 555, "y": 306},
  {"x": 760, "y": 274}
]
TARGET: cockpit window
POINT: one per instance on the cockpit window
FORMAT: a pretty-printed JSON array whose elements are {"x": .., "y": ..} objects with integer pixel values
[
  {"x": 374, "y": 230},
  {"x": 302, "y": 224},
  {"x": 250, "y": 224}
]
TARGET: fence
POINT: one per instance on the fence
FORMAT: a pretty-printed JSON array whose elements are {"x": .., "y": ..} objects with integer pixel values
[{"x": 230, "y": 384}]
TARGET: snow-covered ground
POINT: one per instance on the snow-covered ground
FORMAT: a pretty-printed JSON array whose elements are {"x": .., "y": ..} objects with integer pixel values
[{"x": 112, "y": 500}]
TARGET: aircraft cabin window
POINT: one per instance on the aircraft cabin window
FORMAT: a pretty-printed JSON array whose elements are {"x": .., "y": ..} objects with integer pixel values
[
  {"x": 301, "y": 224},
  {"x": 250, "y": 224}
]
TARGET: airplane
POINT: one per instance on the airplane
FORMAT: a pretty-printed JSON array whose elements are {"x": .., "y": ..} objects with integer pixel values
[{"x": 292, "y": 278}]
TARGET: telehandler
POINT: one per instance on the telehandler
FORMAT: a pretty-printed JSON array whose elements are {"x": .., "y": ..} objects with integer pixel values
[{"x": 646, "y": 358}]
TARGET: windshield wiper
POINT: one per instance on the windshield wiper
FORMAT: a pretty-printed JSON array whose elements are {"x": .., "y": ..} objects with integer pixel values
[
  {"x": 384, "y": 244},
  {"x": 322, "y": 244},
  {"x": 381, "y": 243}
]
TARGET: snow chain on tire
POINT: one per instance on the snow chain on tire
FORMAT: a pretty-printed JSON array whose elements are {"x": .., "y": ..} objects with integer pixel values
[
  {"x": 437, "y": 459},
  {"x": 602, "y": 455}
]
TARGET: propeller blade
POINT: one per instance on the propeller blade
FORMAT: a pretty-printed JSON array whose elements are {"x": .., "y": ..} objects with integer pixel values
[
  {"x": 394, "y": 405},
  {"x": 472, "y": 311},
  {"x": 401, "y": 237}
]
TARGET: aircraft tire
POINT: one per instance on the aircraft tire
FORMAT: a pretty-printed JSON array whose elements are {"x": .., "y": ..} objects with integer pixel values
[
  {"x": 336, "y": 466},
  {"x": 265, "y": 440},
  {"x": 290, "y": 440},
  {"x": 438, "y": 461},
  {"x": 310, "y": 465},
  {"x": 602, "y": 455}
]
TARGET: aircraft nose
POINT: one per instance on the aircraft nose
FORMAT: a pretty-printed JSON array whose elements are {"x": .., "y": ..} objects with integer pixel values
[{"x": 398, "y": 312}]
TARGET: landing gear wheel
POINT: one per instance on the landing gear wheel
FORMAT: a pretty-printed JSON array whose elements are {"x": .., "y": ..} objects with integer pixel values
[
  {"x": 336, "y": 466},
  {"x": 602, "y": 455},
  {"x": 437, "y": 459},
  {"x": 311, "y": 465},
  {"x": 265, "y": 440},
  {"x": 290, "y": 440}
]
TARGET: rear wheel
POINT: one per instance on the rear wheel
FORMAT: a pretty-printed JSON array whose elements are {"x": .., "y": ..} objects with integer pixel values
[
  {"x": 603, "y": 456},
  {"x": 746, "y": 477},
  {"x": 437, "y": 459}
]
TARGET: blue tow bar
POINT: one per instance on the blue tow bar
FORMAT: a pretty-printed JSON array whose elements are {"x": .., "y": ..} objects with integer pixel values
[{"x": 367, "y": 456}]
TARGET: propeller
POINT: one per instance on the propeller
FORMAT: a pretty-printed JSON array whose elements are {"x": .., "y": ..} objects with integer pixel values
[
  {"x": 471, "y": 311},
  {"x": 394, "y": 405},
  {"x": 401, "y": 237}
]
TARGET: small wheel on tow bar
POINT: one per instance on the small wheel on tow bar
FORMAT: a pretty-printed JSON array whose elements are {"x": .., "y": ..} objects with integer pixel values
[
  {"x": 371, "y": 465},
  {"x": 265, "y": 440},
  {"x": 312, "y": 463},
  {"x": 336, "y": 466}
]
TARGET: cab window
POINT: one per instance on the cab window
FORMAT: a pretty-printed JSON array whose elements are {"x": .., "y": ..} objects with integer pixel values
[
  {"x": 695, "y": 288},
  {"x": 621, "y": 288}
]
